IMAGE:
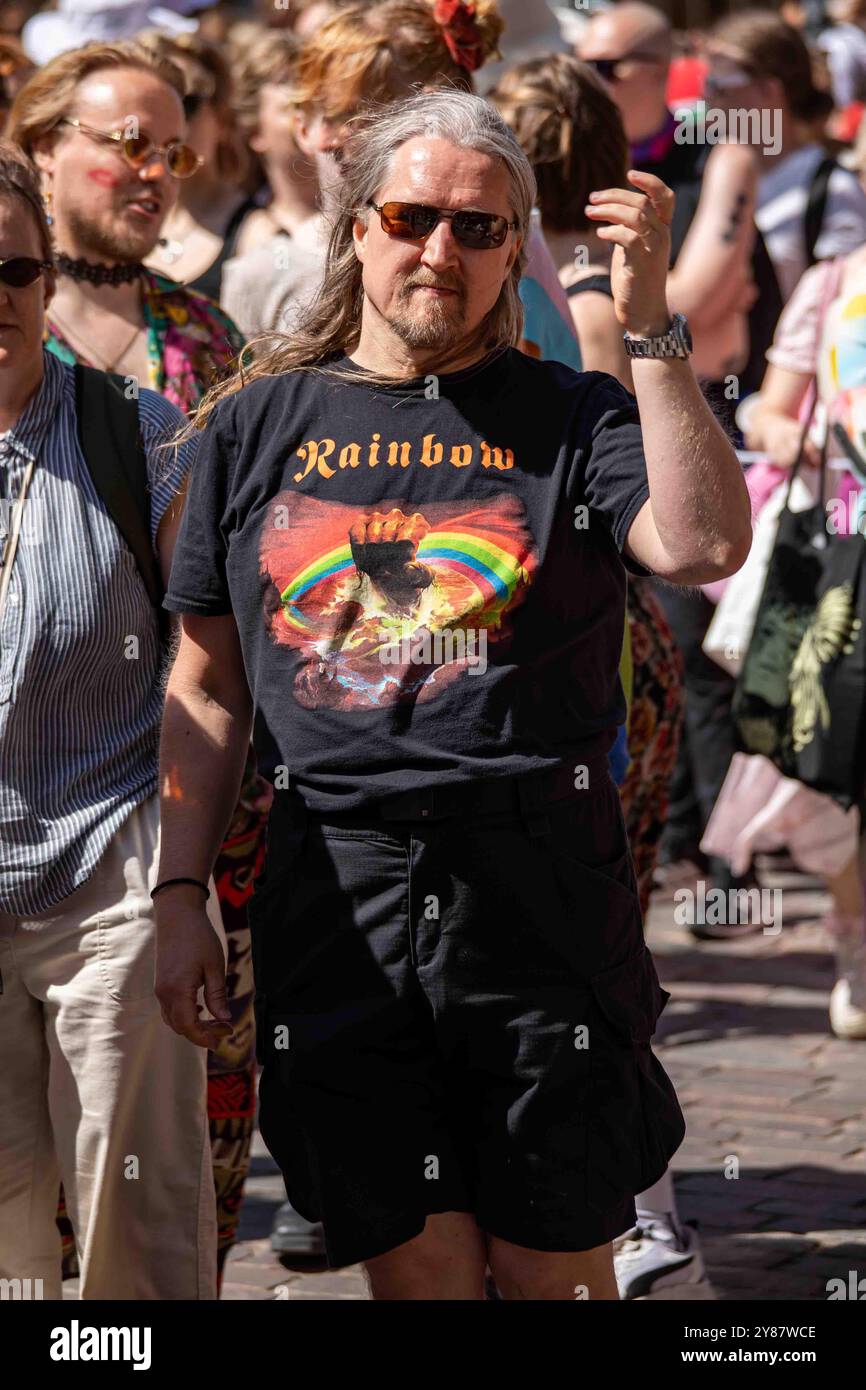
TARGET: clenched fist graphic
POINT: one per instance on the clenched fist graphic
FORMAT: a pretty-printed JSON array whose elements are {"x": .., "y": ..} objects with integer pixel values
[{"x": 384, "y": 547}]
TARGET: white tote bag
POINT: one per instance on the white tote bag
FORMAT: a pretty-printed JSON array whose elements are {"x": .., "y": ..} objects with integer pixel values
[{"x": 728, "y": 635}]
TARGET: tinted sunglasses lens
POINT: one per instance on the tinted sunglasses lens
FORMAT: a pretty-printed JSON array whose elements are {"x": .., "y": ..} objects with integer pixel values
[
  {"x": 182, "y": 160},
  {"x": 480, "y": 230},
  {"x": 136, "y": 149},
  {"x": 409, "y": 220},
  {"x": 20, "y": 271}
]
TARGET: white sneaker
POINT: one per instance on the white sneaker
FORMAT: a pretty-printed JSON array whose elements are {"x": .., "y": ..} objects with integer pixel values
[
  {"x": 652, "y": 1255},
  {"x": 848, "y": 999}
]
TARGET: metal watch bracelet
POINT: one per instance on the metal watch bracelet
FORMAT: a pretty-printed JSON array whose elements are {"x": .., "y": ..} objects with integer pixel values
[{"x": 677, "y": 342}]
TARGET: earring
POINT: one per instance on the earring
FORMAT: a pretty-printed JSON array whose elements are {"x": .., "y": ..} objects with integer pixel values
[{"x": 47, "y": 202}]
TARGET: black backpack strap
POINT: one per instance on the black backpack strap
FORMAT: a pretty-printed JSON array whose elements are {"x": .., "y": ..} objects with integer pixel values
[
  {"x": 599, "y": 283},
  {"x": 816, "y": 205},
  {"x": 108, "y": 430}
]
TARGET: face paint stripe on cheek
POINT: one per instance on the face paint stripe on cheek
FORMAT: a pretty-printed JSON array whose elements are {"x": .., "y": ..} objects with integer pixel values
[{"x": 103, "y": 177}]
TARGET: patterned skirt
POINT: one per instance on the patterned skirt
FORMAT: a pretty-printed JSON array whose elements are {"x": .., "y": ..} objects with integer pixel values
[
  {"x": 654, "y": 728},
  {"x": 231, "y": 1084}
]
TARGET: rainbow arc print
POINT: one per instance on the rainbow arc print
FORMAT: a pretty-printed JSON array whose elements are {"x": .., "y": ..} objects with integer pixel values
[
  {"x": 495, "y": 571},
  {"x": 341, "y": 586}
]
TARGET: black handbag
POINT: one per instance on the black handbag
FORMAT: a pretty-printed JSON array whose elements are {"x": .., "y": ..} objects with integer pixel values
[{"x": 800, "y": 698}]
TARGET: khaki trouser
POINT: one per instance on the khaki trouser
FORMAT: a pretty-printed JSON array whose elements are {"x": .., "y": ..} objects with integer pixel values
[{"x": 96, "y": 1090}]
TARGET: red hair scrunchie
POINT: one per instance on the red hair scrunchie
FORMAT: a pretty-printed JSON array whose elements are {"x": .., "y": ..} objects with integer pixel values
[{"x": 462, "y": 35}]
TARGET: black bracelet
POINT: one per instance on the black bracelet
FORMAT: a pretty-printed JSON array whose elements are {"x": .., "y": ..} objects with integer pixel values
[{"x": 166, "y": 883}]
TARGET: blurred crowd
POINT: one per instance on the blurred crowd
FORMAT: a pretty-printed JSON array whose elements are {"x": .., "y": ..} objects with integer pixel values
[{"x": 755, "y": 121}]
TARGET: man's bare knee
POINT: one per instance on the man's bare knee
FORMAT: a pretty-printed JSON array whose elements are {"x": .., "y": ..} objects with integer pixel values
[
  {"x": 447, "y": 1260},
  {"x": 551, "y": 1275}
]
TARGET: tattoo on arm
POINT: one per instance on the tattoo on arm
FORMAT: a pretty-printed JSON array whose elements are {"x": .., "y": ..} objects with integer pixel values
[{"x": 730, "y": 232}]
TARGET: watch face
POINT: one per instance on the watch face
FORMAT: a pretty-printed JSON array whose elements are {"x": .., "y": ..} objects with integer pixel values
[{"x": 682, "y": 331}]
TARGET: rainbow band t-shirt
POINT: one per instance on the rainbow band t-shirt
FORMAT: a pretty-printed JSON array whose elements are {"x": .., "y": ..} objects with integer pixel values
[{"x": 427, "y": 576}]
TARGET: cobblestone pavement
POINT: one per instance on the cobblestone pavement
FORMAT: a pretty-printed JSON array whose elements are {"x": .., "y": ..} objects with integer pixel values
[
  {"x": 767, "y": 1091},
  {"x": 761, "y": 1079}
]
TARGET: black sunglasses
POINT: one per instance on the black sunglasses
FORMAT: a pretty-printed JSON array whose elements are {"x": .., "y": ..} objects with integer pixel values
[
  {"x": 608, "y": 68},
  {"x": 19, "y": 271},
  {"x": 480, "y": 231}
]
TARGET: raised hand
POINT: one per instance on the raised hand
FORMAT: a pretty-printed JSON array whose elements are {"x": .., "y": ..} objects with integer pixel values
[{"x": 640, "y": 219}]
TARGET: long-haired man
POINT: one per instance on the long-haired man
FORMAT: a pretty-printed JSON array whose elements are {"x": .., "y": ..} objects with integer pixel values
[{"x": 402, "y": 563}]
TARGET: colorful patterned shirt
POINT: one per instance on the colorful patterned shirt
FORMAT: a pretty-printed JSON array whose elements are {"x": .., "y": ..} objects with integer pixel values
[{"x": 190, "y": 340}]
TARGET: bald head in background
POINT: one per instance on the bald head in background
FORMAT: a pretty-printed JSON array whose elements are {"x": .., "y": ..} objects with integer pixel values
[
  {"x": 630, "y": 26},
  {"x": 642, "y": 36}
]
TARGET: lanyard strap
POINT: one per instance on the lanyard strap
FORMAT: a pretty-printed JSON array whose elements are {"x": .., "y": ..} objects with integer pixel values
[
  {"x": 804, "y": 434},
  {"x": 10, "y": 544}
]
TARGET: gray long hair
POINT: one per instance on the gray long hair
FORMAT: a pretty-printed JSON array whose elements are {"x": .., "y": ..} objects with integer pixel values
[{"x": 331, "y": 325}]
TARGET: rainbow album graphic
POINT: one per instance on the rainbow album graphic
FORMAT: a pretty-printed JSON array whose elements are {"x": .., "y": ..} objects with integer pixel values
[{"x": 384, "y": 603}]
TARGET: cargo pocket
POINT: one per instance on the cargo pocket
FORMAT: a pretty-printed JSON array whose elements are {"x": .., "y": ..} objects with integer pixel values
[
  {"x": 591, "y": 866},
  {"x": 635, "y": 1121},
  {"x": 598, "y": 916}
]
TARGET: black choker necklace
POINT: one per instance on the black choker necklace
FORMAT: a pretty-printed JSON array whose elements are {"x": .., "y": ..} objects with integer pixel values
[{"x": 97, "y": 272}]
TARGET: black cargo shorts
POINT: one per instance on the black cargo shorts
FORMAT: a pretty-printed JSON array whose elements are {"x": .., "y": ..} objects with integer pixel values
[{"x": 454, "y": 1009}]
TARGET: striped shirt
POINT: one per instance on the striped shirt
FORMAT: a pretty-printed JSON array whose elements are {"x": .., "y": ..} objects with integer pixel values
[{"x": 80, "y": 657}]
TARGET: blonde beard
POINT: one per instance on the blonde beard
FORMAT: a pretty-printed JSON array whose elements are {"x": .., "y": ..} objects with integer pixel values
[{"x": 97, "y": 244}]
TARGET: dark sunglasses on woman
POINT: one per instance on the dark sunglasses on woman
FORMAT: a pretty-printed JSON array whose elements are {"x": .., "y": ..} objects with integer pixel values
[
  {"x": 480, "y": 231},
  {"x": 19, "y": 271}
]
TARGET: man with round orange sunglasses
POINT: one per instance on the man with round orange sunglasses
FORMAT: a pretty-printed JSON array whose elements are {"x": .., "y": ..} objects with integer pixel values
[
  {"x": 139, "y": 150},
  {"x": 106, "y": 126}
]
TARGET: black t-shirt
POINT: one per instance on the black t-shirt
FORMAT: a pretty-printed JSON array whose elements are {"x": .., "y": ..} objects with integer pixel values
[{"x": 426, "y": 577}]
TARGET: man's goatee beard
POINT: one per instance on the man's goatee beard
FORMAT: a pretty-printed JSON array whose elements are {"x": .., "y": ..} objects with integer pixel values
[
  {"x": 97, "y": 243},
  {"x": 436, "y": 329},
  {"x": 429, "y": 334}
]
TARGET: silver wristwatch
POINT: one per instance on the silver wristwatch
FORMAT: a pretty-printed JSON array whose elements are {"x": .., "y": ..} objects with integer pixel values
[{"x": 677, "y": 342}]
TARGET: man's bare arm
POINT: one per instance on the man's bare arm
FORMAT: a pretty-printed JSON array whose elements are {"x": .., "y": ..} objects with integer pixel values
[
  {"x": 205, "y": 736},
  {"x": 696, "y": 526}
]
